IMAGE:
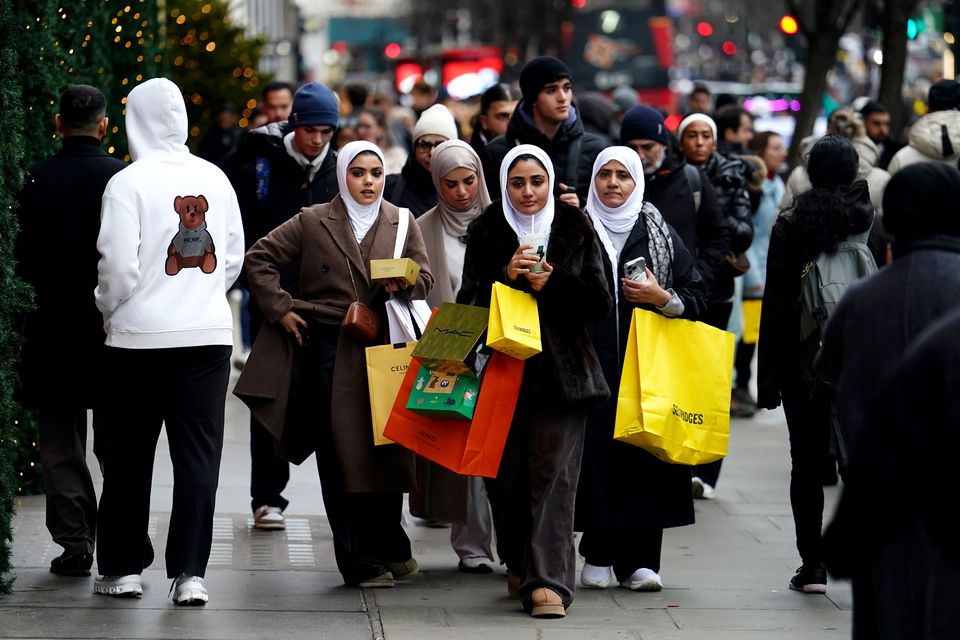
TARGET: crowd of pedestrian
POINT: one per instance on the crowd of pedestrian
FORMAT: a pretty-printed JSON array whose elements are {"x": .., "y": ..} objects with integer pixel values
[{"x": 302, "y": 202}]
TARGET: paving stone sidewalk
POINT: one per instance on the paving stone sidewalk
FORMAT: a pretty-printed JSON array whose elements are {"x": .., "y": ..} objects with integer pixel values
[{"x": 725, "y": 577}]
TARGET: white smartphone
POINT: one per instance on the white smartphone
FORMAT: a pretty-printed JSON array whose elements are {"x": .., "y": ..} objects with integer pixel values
[{"x": 636, "y": 269}]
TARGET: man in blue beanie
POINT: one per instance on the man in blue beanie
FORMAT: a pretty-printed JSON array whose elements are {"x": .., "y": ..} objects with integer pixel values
[
  {"x": 546, "y": 117},
  {"x": 293, "y": 167}
]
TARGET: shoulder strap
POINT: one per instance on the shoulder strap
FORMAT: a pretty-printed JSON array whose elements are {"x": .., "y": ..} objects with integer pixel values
[
  {"x": 573, "y": 161},
  {"x": 402, "y": 226},
  {"x": 693, "y": 178}
]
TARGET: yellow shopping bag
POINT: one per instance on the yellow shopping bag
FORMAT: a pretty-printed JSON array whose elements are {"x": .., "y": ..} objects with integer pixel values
[
  {"x": 751, "y": 321},
  {"x": 674, "y": 398},
  {"x": 514, "y": 326},
  {"x": 386, "y": 366}
]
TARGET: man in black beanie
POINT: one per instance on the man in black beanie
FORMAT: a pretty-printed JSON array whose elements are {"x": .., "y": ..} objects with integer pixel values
[
  {"x": 546, "y": 117},
  {"x": 935, "y": 137}
]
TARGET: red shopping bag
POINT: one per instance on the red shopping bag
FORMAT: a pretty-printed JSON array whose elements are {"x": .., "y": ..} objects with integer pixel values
[{"x": 471, "y": 448}]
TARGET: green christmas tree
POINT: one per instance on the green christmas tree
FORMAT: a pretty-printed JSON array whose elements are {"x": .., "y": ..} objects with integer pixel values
[{"x": 212, "y": 60}]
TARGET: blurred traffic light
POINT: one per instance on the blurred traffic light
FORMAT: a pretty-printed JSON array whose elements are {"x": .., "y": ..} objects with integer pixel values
[
  {"x": 392, "y": 50},
  {"x": 704, "y": 29},
  {"x": 729, "y": 48},
  {"x": 578, "y": 4},
  {"x": 789, "y": 25}
]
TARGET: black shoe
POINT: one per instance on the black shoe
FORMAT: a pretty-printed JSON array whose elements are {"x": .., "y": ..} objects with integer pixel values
[
  {"x": 810, "y": 579},
  {"x": 742, "y": 405},
  {"x": 72, "y": 564}
]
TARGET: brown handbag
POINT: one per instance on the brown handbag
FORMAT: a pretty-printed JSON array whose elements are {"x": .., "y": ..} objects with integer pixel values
[{"x": 360, "y": 322}]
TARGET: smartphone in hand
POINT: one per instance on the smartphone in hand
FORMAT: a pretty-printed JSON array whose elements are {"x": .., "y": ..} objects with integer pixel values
[{"x": 636, "y": 269}]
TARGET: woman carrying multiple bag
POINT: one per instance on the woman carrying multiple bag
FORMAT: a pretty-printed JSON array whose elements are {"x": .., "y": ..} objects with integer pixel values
[{"x": 531, "y": 242}]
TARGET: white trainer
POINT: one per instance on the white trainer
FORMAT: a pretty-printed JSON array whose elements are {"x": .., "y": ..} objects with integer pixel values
[
  {"x": 597, "y": 577},
  {"x": 643, "y": 580},
  {"x": 128, "y": 586},
  {"x": 702, "y": 490},
  {"x": 189, "y": 591},
  {"x": 269, "y": 518}
]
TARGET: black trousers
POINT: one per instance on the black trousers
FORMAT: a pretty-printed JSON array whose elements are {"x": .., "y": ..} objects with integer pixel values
[
  {"x": 716, "y": 315},
  {"x": 534, "y": 493},
  {"x": 71, "y": 499},
  {"x": 367, "y": 527},
  {"x": 742, "y": 362},
  {"x": 625, "y": 553},
  {"x": 808, "y": 423},
  {"x": 269, "y": 474},
  {"x": 184, "y": 389}
]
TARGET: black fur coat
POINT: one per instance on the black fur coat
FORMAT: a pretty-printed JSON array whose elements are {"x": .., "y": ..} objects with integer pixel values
[{"x": 575, "y": 294}]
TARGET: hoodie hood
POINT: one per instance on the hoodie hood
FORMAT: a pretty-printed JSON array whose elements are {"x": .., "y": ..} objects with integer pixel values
[
  {"x": 937, "y": 135},
  {"x": 156, "y": 119}
]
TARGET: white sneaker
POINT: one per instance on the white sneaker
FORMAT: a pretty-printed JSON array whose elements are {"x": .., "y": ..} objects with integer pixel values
[
  {"x": 269, "y": 518},
  {"x": 643, "y": 580},
  {"x": 702, "y": 490},
  {"x": 189, "y": 591},
  {"x": 597, "y": 577},
  {"x": 128, "y": 586}
]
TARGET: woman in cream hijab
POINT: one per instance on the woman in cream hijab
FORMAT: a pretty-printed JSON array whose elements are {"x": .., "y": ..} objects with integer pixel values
[{"x": 443, "y": 496}]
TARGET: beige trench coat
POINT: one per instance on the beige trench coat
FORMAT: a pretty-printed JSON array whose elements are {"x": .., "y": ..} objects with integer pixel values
[{"x": 321, "y": 239}]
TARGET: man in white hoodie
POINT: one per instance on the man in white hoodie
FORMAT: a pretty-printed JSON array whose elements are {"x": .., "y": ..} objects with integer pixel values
[
  {"x": 935, "y": 137},
  {"x": 171, "y": 244}
]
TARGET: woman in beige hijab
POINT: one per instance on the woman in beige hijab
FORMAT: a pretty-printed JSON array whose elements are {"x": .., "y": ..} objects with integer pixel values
[{"x": 444, "y": 496}]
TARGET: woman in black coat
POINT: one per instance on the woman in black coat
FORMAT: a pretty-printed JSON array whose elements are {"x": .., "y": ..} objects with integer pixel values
[
  {"x": 534, "y": 492},
  {"x": 626, "y": 496},
  {"x": 819, "y": 219}
]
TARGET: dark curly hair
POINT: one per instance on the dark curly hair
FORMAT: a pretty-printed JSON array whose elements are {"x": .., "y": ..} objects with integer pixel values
[{"x": 820, "y": 216}]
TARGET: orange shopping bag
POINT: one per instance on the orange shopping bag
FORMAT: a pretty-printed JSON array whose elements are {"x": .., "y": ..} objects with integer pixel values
[{"x": 471, "y": 448}]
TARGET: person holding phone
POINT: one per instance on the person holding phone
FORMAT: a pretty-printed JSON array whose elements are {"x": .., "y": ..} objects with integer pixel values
[
  {"x": 533, "y": 494},
  {"x": 627, "y": 496}
]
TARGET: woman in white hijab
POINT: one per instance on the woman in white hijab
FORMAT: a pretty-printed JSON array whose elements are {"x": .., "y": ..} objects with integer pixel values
[
  {"x": 533, "y": 494},
  {"x": 626, "y": 496},
  {"x": 302, "y": 359},
  {"x": 443, "y": 496}
]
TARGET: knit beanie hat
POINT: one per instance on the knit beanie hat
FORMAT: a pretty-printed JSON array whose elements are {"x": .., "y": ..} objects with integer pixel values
[
  {"x": 436, "y": 121},
  {"x": 314, "y": 105},
  {"x": 537, "y": 74},
  {"x": 644, "y": 123},
  {"x": 944, "y": 95}
]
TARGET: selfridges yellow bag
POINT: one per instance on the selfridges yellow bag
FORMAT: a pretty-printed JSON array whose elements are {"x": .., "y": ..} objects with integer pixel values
[
  {"x": 674, "y": 398},
  {"x": 751, "y": 320},
  {"x": 514, "y": 326}
]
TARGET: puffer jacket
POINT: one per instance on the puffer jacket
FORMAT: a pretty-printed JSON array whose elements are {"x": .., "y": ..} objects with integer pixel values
[
  {"x": 728, "y": 175},
  {"x": 935, "y": 137},
  {"x": 522, "y": 130}
]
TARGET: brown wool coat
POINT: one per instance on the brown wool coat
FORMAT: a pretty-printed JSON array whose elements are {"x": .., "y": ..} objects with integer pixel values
[{"x": 321, "y": 239}]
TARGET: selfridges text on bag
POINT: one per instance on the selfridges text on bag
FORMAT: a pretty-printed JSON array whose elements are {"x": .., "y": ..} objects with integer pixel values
[
  {"x": 674, "y": 398},
  {"x": 514, "y": 326}
]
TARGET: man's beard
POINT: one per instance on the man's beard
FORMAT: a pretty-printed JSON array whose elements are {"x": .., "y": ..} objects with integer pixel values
[{"x": 650, "y": 170}]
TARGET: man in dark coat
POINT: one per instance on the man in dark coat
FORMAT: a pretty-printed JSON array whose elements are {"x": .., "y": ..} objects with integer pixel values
[
  {"x": 547, "y": 118},
  {"x": 879, "y": 317},
  {"x": 57, "y": 254},
  {"x": 413, "y": 187},
  {"x": 681, "y": 192},
  {"x": 895, "y": 532},
  {"x": 293, "y": 167},
  {"x": 728, "y": 175}
]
